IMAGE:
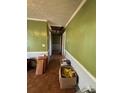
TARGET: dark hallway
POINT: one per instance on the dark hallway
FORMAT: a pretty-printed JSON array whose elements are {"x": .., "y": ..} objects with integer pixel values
[{"x": 49, "y": 81}]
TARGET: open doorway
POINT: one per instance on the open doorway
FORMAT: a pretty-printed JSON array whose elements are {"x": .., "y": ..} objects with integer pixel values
[
  {"x": 56, "y": 43},
  {"x": 55, "y": 40}
]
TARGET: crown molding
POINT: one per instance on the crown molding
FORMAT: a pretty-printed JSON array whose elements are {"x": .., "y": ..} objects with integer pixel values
[
  {"x": 76, "y": 11},
  {"x": 35, "y": 19}
]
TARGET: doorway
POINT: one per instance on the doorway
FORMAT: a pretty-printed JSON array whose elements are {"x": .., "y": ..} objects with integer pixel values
[
  {"x": 55, "y": 40},
  {"x": 56, "y": 43}
]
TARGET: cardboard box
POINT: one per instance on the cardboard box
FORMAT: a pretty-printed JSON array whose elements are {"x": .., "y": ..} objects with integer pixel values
[
  {"x": 67, "y": 82},
  {"x": 44, "y": 58},
  {"x": 39, "y": 67}
]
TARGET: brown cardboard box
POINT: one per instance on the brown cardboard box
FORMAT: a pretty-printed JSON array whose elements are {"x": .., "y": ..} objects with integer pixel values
[
  {"x": 67, "y": 82},
  {"x": 44, "y": 58},
  {"x": 39, "y": 67}
]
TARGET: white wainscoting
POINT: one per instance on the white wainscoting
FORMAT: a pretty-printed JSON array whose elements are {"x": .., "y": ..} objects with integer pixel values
[
  {"x": 36, "y": 54},
  {"x": 86, "y": 80}
]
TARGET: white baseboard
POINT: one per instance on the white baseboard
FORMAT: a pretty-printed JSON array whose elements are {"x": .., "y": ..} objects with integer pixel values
[
  {"x": 85, "y": 78},
  {"x": 36, "y": 54}
]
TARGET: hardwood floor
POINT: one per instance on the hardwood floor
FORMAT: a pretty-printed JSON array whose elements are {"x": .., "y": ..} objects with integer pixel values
[{"x": 49, "y": 81}]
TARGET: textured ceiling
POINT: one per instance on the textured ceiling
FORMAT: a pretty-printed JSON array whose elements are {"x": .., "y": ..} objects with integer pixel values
[{"x": 57, "y": 12}]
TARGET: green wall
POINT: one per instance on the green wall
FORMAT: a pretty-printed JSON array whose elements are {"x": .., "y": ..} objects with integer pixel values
[
  {"x": 36, "y": 36},
  {"x": 81, "y": 36}
]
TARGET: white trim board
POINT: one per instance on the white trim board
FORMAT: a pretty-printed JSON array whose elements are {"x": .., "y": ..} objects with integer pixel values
[
  {"x": 76, "y": 11},
  {"x": 36, "y": 54},
  {"x": 49, "y": 27},
  {"x": 63, "y": 42},
  {"x": 35, "y": 19},
  {"x": 85, "y": 78}
]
